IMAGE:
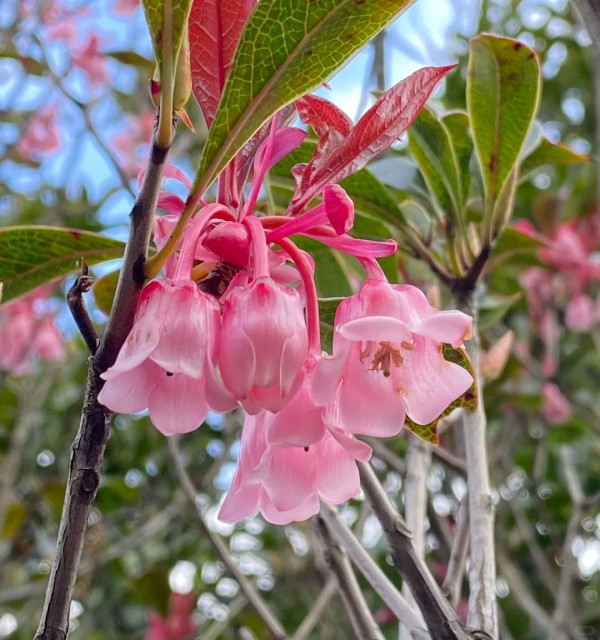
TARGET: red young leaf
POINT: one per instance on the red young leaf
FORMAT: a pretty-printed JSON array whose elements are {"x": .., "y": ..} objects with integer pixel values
[
  {"x": 215, "y": 27},
  {"x": 380, "y": 126},
  {"x": 323, "y": 115}
]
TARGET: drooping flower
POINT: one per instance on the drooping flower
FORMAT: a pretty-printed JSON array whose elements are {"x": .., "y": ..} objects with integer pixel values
[
  {"x": 387, "y": 361},
  {"x": 167, "y": 357},
  {"x": 287, "y": 483},
  {"x": 263, "y": 344}
]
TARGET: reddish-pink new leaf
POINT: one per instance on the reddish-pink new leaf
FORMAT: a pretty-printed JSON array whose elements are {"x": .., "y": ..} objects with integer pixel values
[
  {"x": 323, "y": 115},
  {"x": 215, "y": 27},
  {"x": 381, "y": 125}
]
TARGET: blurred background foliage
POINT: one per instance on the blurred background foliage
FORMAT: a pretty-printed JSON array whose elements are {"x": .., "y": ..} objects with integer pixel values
[{"x": 145, "y": 539}]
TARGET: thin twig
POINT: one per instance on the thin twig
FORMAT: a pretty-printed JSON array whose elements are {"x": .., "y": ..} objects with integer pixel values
[
  {"x": 316, "y": 611},
  {"x": 483, "y": 614},
  {"x": 246, "y": 587},
  {"x": 359, "y": 614},
  {"x": 78, "y": 310},
  {"x": 563, "y": 607},
  {"x": 218, "y": 628},
  {"x": 418, "y": 461},
  {"x": 441, "y": 619},
  {"x": 87, "y": 452},
  {"x": 381, "y": 584},
  {"x": 458, "y": 555}
]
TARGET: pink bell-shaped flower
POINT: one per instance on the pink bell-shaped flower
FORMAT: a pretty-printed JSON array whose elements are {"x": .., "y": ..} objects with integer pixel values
[
  {"x": 387, "y": 361},
  {"x": 263, "y": 344},
  {"x": 166, "y": 359},
  {"x": 287, "y": 483}
]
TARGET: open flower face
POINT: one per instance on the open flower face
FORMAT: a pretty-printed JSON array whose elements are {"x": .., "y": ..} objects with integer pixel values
[{"x": 387, "y": 360}]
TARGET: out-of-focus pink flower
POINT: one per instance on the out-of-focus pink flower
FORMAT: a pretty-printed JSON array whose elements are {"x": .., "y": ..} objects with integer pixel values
[
  {"x": 286, "y": 483},
  {"x": 167, "y": 357},
  {"x": 387, "y": 360},
  {"x": 179, "y": 624},
  {"x": 41, "y": 135},
  {"x": 27, "y": 333},
  {"x": 125, "y": 7},
  {"x": 89, "y": 59},
  {"x": 580, "y": 314},
  {"x": 132, "y": 144},
  {"x": 555, "y": 407},
  {"x": 263, "y": 344},
  {"x": 495, "y": 358}
]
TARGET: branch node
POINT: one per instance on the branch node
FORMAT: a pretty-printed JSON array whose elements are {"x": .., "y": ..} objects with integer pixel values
[{"x": 83, "y": 283}]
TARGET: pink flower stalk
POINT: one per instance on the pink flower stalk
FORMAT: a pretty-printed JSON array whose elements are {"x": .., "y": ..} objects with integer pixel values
[
  {"x": 89, "y": 59},
  {"x": 286, "y": 483},
  {"x": 387, "y": 361},
  {"x": 167, "y": 358},
  {"x": 41, "y": 135},
  {"x": 27, "y": 333}
]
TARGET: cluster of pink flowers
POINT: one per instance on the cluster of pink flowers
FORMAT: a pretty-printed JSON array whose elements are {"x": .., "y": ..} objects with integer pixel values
[
  {"x": 28, "y": 332},
  {"x": 235, "y": 322},
  {"x": 566, "y": 283}
]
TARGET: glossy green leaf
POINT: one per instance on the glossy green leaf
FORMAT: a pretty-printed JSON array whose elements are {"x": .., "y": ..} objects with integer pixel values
[
  {"x": 467, "y": 401},
  {"x": 548, "y": 153},
  {"x": 331, "y": 274},
  {"x": 34, "y": 255},
  {"x": 503, "y": 91},
  {"x": 177, "y": 12},
  {"x": 431, "y": 146},
  {"x": 286, "y": 50}
]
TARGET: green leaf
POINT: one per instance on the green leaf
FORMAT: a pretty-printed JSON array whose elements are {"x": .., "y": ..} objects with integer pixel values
[
  {"x": 104, "y": 291},
  {"x": 286, "y": 49},
  {"x": 549, "y": 153},
  {"x": 178, "y": 11},
  {"x": 494, "y": 307},
  {"x": 327, "y": 310},
  {"x": 331, "y": 274},
  {"x": 133, "y": 59},
  {"x": 467, "y": 401},
  {"x": 431, "y": 146},
  {"x": 34, "y": 255},
  {"x": 457, "y": 124},
  {"x": 503, "y": 91},
  {"x": 513, "y": 243}
]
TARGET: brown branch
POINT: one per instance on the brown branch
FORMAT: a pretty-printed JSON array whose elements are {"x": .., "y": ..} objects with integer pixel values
[
  {"x": 359, "y": 614},
  {"x": 87, "y": 452},
  {"x": 441, "y": 619}
]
